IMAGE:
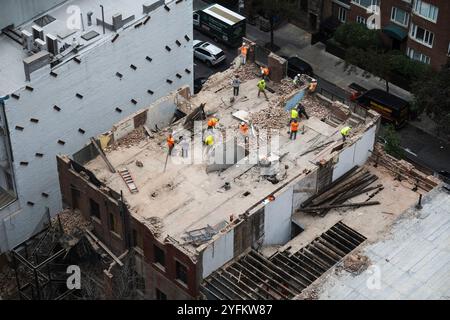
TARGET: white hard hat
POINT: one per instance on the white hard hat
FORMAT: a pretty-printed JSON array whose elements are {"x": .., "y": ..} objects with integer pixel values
[{"x": 242, "y": 123}]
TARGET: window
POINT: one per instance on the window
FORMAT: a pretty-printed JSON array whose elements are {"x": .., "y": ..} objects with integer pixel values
[
  {"x": 448, "y": 51},
  {"x": 422, "y": 35},
  {"x": 160, "y": 295},
  {"x": 426, "y": 10},
  {"x": 95, "y": 209},
  {"x": 159, "y": 256},
  {"x": 415, "y": 55},
  {"x": 361, "y": 20},
  {"x": 342, "y": 14},
  {"x": 366, "y": 3},
  {"x": 136, "y": 239},
  {"x": 399, "y": 16},
  {"x": 114, "y": 224},
  {"x": 181, "y": 272}
]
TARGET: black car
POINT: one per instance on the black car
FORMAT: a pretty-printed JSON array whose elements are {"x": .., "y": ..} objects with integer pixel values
[
  {"x": 298, "y": 66},
  {"x": 198, "y": 84}
]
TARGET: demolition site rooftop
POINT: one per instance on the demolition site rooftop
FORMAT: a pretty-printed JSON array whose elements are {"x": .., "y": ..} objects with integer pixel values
[{"x": 185, "y": 197}]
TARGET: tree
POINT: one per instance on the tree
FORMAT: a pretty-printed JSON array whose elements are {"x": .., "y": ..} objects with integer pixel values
[
  {"x": 392, "y": 145},
  {"x": 358, "y": 36},
  {"x": 432, "y": 96}
]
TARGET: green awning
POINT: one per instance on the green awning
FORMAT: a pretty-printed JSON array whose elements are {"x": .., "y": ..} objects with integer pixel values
[{"x": 395, "y": 32}]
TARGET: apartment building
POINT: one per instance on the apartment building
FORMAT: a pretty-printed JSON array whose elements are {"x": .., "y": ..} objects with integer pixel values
[
  {"x": 418, "y": 28},
  {"x": 67, "y": 74}
]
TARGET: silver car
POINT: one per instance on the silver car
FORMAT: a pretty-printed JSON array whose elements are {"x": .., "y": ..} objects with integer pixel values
[{"x": 208, "y": 53}]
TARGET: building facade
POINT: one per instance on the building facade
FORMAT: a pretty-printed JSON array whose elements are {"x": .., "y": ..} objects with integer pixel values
[
  {"x": 65, "y": 79},
  {"x": 418, "y": 28}
]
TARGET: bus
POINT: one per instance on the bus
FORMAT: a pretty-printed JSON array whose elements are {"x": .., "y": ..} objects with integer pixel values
[
  {"x": 391, "y": 108},
  {"x": 221, "y": 24}
]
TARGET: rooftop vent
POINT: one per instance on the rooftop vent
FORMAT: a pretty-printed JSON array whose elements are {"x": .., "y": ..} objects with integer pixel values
[{"x": 38, "y": 33}]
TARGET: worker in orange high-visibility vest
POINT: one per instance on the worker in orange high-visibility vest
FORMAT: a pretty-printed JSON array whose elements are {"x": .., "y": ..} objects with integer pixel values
[
  {"x": 243, "y": 127},
  {"x": 212, "y": 123},
  {"x": 170, "y": 143},
  {"x": 294, "y": 129},
  {"x": 265, "y": 73},
  {"x": 244, "y": 52}
]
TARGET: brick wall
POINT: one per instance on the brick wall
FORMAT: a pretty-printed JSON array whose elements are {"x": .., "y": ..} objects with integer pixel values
[{"x": 163, "y": 279}]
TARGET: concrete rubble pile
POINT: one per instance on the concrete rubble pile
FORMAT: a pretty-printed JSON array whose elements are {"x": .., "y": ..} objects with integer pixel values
[{"x": 129, "y": 140}]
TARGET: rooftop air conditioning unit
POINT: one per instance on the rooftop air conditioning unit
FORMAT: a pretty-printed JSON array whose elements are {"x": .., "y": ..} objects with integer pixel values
[
  {"x": 27, "y": 40},
  {"x": 40, "y": 45}
]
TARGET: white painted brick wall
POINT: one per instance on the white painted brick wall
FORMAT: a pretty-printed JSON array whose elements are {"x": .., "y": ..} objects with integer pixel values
[{"x": 95, "y": 78}]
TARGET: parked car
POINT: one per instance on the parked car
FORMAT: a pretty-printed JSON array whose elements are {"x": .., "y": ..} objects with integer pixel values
[
  {"x": 198, "y": 84},
  {"x": 208, "y": 53},
  {"x": 298, "y": 66}
]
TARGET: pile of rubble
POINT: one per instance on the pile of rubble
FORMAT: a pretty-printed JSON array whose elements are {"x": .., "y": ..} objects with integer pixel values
[
  {"x": 7, "y": 283},
  {"x": 131, "y": 139},
  {"x": 356, "y": 263},
  {"x": 272, "y": 117},
  {"x": 314, "y": 107},
  {"x": 72, "y": 222}
]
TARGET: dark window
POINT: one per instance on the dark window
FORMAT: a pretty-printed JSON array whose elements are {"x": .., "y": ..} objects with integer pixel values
[
  {"x": 181, "y": 272},
  {"x": 136, "y": 239},
  {"x": 95, "y": 209},
  {"x": 114, "y": 227},
  {"x": 160, "y": 255},
  {"x": 160, "y": 295}
]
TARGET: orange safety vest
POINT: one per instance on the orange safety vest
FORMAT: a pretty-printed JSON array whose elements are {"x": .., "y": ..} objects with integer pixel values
[
  {"x": 170, "y": 142},
  {"x": 244, "y": 50},
  {"x": 244, "y": 129},
  {"x": 265, "y": 71},
  {"x": 312, "y": 86},
  {"x": 212, "y": 122},
  {"x": 294, "y": 126}
]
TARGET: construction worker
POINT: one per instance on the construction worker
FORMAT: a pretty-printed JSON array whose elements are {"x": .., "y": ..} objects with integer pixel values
[
  {"x": 313, "y": 86},
  {"x": 184, "y": 143},
  {"x": 345, "y": 132},
  {"x": 301, "y": 110},
  {"x": 294, "y": 129},
  {"x": 243, "y": 128},
  {"x": 212, "y": 123},
  {"x": 262, "y": 88},
  {"x": 265, "y": 73},
  {"x": 297, "y": 79},
  {"x": 244, "y": 52},
  {"x": 209, "y": 140},
  {"x": 170, "y": 143},
  {"x": 235, "y": 84},
  {"x": 294, "y": 115}
]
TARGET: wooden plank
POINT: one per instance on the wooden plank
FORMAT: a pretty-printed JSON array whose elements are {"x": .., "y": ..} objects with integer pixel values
[{"x": 103, "y": 155}]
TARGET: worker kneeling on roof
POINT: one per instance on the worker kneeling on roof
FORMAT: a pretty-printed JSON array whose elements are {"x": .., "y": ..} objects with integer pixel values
[{"x": 345, "y": 132}]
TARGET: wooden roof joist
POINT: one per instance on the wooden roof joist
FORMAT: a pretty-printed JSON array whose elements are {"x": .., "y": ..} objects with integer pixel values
[
  {"x": 239, "y": 291},
  {"x": 276, "y": 270},
  {"x": 296, "y": 268},
  {"x": 259, "y": 287},
  {"x": 240, "y": 280},
  {"x": 270, "y": 283}
]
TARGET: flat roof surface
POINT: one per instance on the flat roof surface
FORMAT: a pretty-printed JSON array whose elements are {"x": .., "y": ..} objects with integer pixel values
[
  {"x": 186, "y": 197},
  {"x": 411, "y": 260},
  {"x": 224, "y": 14},
  {"x": 12, "y": 76}
]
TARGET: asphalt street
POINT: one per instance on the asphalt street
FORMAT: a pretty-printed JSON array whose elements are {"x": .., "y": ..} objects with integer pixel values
[{"x": 201, "y": 69}]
